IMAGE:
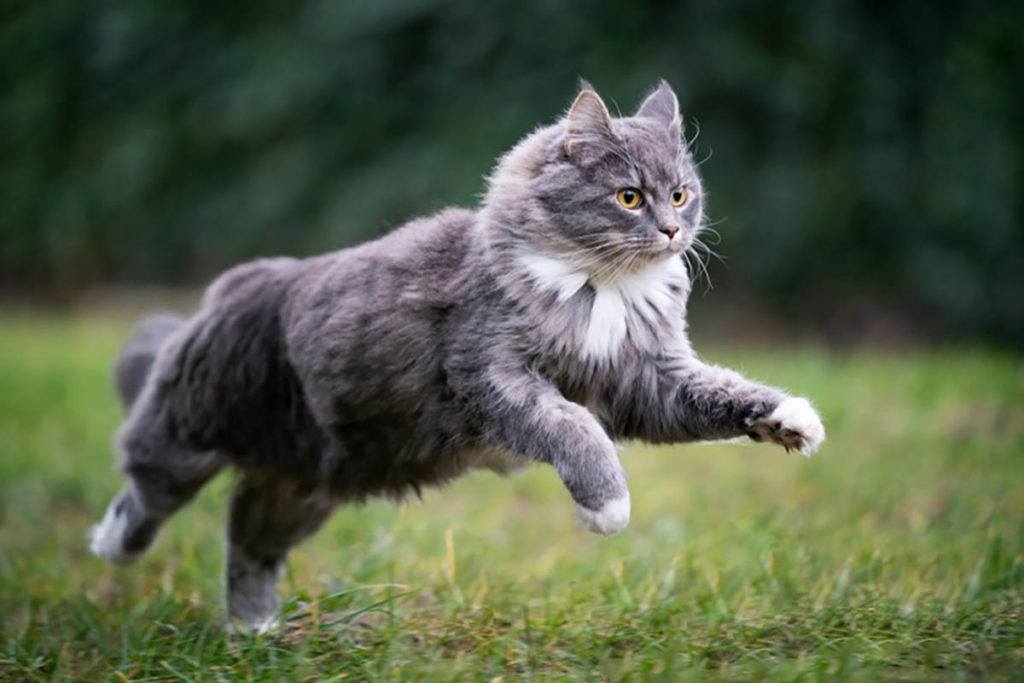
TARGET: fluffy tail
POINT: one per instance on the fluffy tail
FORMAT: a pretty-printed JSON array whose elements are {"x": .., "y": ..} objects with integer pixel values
[{"x": 138, "y": 354}]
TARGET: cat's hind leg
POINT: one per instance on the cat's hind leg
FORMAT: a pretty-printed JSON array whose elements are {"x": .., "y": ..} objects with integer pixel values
[
  {"x": 268, "y": 516},
  {"x": 162, "y": 476}
]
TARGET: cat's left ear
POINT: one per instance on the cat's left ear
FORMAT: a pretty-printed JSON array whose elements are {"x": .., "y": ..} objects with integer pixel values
[{"x": 663, "y": 105}]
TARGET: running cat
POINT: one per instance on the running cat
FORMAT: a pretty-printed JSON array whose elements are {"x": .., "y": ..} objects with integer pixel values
[{"x": 542, "y": 327}]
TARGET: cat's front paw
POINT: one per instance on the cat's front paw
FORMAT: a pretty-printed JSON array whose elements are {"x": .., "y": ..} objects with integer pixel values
[
  {"x": 610, "y": 519},
  {"x": 793, "y": 424}
]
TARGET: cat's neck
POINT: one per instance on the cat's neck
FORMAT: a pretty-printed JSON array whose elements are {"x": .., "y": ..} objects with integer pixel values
[{"x": 593, "y": 313}]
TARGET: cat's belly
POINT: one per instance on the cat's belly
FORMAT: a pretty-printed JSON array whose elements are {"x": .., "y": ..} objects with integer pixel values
[{"x": 388, "y": 456}]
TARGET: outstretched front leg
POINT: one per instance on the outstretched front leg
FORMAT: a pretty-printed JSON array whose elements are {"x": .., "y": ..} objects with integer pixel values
[
  {"x": 684, "y": 399},
  {"x": 526, "y": 415}
]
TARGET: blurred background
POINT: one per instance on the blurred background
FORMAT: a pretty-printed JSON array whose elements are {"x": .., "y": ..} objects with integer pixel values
[
  {"x": 864, "y": 160},
  {"x": 865, "y": 163}
]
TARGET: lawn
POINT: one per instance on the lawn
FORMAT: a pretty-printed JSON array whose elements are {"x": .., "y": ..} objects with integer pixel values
[{"x": 896, "y": 552}]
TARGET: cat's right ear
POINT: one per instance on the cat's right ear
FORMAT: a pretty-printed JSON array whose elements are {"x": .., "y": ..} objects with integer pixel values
[
  {"x": 662, "y": 105},
  {"x": 588, "y": 122}
]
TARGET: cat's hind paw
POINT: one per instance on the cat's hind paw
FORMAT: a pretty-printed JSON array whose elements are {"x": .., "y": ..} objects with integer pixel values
[
  {"x": 106, "y": 539},
  {"x": 610, "y": 519},
  {"x": 793, "y": 424},
  {"x": 257, "y": 626}
]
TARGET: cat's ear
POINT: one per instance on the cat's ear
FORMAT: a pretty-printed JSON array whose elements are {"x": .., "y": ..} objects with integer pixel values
[
  {"x": 662, "y": 105},
  {"x": 588, "y": 121}
]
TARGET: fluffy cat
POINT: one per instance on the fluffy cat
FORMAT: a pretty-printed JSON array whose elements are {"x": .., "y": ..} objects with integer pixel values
[{"x": 542, "y": 328}]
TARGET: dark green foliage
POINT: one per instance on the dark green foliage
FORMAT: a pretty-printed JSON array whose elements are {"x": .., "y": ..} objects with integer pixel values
[{"x": 866, "y": 158}]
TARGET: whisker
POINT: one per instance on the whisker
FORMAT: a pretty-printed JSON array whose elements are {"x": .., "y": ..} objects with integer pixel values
[
  {"x": 708, "y": 250},
  {"x": 603, "y": 257},
  {"x": 704, "y": 272},
  {"x": 689, "y": 266},
  {"x": 696, "y": 134},
  {"x": 711, "y": 231}
]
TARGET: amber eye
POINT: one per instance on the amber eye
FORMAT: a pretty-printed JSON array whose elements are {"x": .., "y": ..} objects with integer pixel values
[
  {"x": 680, "y": 196},
  {"x": 629, "y": 197}
]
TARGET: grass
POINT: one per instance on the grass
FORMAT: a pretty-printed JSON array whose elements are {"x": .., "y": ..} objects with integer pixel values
[{"x": 895, "y": 553}]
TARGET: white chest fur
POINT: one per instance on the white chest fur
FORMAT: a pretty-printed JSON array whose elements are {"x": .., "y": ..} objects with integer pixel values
[{"x": 638, "y": 301}]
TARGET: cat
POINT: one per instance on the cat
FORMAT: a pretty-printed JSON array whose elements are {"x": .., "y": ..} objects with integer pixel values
[{"x": 542, "y": 327}]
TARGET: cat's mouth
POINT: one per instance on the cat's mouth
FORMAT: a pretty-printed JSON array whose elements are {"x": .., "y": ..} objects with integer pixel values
[{"x": 677, "y": 244}]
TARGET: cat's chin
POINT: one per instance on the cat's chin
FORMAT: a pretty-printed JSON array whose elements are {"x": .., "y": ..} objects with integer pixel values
[
  {"x": 662, "y": 253},
  {"x": 654, "y": 259}
]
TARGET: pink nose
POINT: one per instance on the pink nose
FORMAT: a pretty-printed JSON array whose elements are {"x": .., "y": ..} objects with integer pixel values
[{"x": 669, "y": 230}]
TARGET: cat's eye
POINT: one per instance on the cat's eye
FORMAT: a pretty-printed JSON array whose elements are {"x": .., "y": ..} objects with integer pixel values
[
  {"x": 680, "y": 196},
  {"x": 629, "y": 197}
]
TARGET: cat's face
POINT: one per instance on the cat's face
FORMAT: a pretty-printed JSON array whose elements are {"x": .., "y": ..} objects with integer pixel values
[{"x": 619, "y": 193}]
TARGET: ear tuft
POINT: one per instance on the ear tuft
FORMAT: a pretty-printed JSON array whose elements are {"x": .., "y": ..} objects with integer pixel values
[
  {"x": 662, "y": 105},
  {"x": 583, "y": 84},
  {"x": 588, "y": 119}
]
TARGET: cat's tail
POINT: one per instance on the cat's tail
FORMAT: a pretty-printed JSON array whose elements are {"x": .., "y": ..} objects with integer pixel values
[{"x": 137, "y": 356}]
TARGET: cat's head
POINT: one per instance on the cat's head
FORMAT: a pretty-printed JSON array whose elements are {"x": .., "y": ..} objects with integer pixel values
[{"x": 607, "y": 194}]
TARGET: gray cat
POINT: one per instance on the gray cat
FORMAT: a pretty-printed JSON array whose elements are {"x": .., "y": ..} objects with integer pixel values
[{"x": 542, "y": 327}]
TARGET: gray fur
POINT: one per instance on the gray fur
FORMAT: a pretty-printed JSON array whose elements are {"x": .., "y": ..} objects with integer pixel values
[
  {"x": 138, "y": 354},
  {"x": 443, "y": 346}
]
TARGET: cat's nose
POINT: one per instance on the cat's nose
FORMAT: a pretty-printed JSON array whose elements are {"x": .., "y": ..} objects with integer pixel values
[{"x": 669, "y": 230}]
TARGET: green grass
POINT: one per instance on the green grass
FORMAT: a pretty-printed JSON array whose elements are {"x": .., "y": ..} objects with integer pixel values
[{"x": 896, "y": 553}]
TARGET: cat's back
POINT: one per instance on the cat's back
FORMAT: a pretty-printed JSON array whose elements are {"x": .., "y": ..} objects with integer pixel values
[
  {"x": 420, "y": 264},
  {"x": 369, "y": 323}
]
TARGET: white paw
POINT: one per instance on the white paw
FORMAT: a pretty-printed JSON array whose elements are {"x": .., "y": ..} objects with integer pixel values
[
  {"x": 612, "y": 518},
  {"x": 794, "y": 424},
  {"x": 257, "y": 626},
  {"x": 106, "y": 538}
]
